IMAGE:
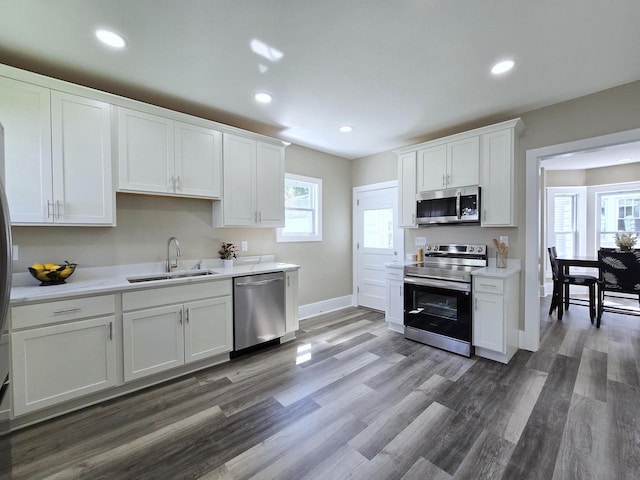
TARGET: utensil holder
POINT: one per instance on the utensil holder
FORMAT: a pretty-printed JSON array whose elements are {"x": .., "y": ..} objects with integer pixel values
[{"x": 501, "y": 260}]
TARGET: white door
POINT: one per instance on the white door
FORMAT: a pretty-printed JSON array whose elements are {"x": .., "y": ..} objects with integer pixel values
[
  {"x": 208, "y": 328},
  {"x": 270, "y": 185},
  {"x": 60, "y": 362},
  {"x": 145, "y": 152},
  {"x": 25, "y": 113},
  {"x": 153, "y": 341},
  {"x": 198, "y": 168},
  {"x": 239, "y": 165},
  {"x": 81, "y": 139},
  {"x": 378, "y": 241}
]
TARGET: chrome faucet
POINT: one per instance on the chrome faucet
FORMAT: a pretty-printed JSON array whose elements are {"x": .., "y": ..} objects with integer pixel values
[{"x": 170, "y": 265}]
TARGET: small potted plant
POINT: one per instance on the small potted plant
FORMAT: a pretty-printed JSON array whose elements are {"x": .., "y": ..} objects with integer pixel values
[
  {"x": 625, "y": 241},
  {"x": 228, "y": 252}
]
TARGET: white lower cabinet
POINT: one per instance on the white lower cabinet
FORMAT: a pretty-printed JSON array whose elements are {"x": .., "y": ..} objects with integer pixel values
[
  {"x": 193, "y": 322},
  {"x": 56, "y": 363},
  {"x": 394, "y": 310},
  {"x": 495, "y": 316}
]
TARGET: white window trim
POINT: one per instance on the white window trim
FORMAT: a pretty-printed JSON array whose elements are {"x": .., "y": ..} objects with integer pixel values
[{"x": 280, "y": 237}]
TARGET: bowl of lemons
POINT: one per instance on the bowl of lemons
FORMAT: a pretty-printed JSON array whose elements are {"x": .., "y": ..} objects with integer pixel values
[{"x": 52, "y": 273}]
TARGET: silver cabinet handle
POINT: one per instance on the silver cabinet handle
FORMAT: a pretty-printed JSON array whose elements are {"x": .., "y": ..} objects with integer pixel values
[
  {"x": 67, "y": 310},
  {"x": 443, "y": 180},
  {"x": 188, "y": 314},
  {"x": 110, "y": 330},
  {"x": 178, "y": 184},
  {"x": 259, "y": 282},
  {"x": 58, "y": 209},
  {"x": 255, "y": 217},
  {"x": 448, "y": 179},
  {"x": 180, "y": 317},
  {"x": 49, "y": 205},
  {"x": 260, "y": 216}
]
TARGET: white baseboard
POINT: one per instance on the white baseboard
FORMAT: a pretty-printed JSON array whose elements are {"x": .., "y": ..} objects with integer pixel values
[
  {"x": 395, "y": 327},
  {"x": 329, "y": 305}
]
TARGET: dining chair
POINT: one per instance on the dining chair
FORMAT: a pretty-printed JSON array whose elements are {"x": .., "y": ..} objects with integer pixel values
[
  {"x": 620, "y": 273},
  {"x": 570, "y": 279}
]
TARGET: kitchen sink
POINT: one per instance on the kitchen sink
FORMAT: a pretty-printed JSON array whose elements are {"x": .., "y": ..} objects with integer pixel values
[{"x": 171, "y": 276}]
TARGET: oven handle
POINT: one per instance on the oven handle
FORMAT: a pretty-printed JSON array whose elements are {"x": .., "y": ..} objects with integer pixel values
[{"x": 460, "y": 287}]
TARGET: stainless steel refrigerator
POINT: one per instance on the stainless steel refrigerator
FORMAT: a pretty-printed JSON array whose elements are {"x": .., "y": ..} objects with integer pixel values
[{"x": 5, "y": 282}]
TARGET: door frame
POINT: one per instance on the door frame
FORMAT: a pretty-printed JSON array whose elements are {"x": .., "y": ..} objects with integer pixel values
[
  {"x": 354, "y": 231},
  {"x": 530, "y": 339}
]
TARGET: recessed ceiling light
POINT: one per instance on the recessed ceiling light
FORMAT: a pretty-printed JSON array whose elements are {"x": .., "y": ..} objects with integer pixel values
[
  {"x": 346, "y": 128},
  {"x": 110, "y": 38},
  {"x": 263, "y": 97},
  {"x": 502, "y": 67}
]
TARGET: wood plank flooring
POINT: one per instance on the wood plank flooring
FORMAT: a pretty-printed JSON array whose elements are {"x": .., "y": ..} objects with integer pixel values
[{"x": 349, "y": 399}]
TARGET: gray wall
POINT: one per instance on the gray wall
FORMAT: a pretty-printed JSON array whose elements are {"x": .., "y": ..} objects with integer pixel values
[{"x": 146, "y": 222}]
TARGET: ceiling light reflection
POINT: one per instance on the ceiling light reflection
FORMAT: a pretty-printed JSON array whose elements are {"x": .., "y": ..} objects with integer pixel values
[
  {"x": 502, "y": 67},
  {"x": 346, "y": 128},
  {"x": 303, "y": 358},
  {"x": 110, "y": 38},
  {"x": 266, "y": 51},
  {"x": 263, "y": 97}
]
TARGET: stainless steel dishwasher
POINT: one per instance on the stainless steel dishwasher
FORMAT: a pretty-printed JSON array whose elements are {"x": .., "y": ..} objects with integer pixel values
[{"x": 258, "y": 309}]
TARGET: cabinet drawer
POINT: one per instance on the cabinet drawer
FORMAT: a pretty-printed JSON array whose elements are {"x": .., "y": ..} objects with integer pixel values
[
  {"x": 27, "y": 316},
  {"x": 395, "y": 275},
  {"x": 489, "y": 285},
  {"x": 178, "y": 294}
]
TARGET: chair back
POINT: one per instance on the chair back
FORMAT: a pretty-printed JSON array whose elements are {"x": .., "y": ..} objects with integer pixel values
[
  {"x": 619, "y": 271},
  {"x": 553, "y": 255}
]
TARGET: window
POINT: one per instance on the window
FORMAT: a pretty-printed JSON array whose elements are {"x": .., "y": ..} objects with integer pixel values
[
  {"x": 302, "y": 209},
  {"x": 564, "y": 224},
  {"x": 619, "y": 212},
  {"x": 378, "y": 228}
]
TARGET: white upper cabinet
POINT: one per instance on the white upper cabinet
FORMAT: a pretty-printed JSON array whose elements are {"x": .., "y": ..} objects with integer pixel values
[
  {"x": 25, "y": 113},
  {"x": 484, "y": 157},
  {"x": 81, "y": 139},
  {"x": 253, "y": 183},
  {"x": 57, "y": 156},
  {"x": 407, "y": 189},
  {"x": 449, "y": 165},
  {"x": 498, "y": 179},
  {"x": 158, "y": 155}
]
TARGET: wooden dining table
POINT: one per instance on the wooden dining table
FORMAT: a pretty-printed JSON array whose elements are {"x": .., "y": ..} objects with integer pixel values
[{"x": 564, "y": 263}]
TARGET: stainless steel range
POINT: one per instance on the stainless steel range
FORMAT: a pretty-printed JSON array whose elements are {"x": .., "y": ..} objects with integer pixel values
[{"x": 437, "y": 296}]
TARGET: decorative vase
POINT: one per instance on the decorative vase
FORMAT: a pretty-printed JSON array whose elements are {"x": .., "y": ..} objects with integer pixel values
[{"x": 227, "y": 263}]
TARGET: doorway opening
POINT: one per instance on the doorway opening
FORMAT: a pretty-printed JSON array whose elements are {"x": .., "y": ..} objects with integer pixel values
[{"x": 535, "y": 257}]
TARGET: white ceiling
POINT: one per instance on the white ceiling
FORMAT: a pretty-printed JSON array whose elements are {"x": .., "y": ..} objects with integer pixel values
[
  {"x": 398, "y": 71},
  {"x": 595, "y": 158}
]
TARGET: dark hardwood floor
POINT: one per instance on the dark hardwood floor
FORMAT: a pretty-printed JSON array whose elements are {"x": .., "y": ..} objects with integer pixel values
[{"x": 349, "y": 399}]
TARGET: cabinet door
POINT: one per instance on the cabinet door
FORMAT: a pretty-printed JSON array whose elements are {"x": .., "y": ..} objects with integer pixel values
[
  {"x": 145, "y": 152},
  {"x": 432, "y": 168},
  {"x": 463, "y": 162},
  {"x": 291, "y": 301},
  {"x": 81, "y": 138},
  {"x": 395, "y": 303},
  {"x": 270, "y": 185},
  {"x": 153, "y": 341},
  {"x": 488, "y": 321},
  {"x": 407, "y": 191},
  {"x": 497, "y": 201},
  {"x": 198, "y": 158},
  {"x": 239, "y": 170},
  {"x": 208, "y": 328},
  {"x": 60, "y": 362},
  {"x": 25, "y": 113}
]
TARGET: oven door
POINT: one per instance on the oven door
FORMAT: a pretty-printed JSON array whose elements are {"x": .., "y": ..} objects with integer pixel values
[{"x": 438, "y": 306}]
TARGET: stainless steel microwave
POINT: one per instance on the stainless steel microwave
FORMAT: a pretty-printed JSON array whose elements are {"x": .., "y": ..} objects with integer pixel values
[{"x": 454, "y": 205}]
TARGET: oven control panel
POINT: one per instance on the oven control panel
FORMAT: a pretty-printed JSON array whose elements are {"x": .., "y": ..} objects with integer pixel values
[{"x": 436, "y": 248}]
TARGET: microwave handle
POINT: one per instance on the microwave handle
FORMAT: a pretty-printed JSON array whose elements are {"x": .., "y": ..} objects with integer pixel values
[{"x": 458, "y": 205}]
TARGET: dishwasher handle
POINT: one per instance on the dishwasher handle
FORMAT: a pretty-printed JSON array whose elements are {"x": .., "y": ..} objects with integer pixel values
[{"x": 259, "y": 282}]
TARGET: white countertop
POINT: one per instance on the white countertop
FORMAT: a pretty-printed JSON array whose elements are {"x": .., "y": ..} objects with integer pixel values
[
  {"x": 99, "y": 280},
  {"x": 513, "y": 266}
]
